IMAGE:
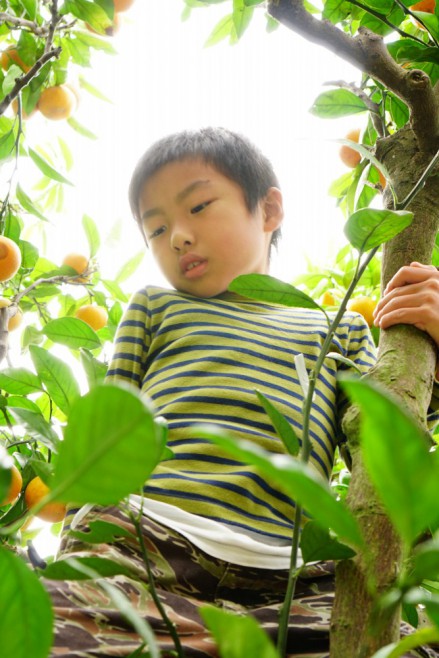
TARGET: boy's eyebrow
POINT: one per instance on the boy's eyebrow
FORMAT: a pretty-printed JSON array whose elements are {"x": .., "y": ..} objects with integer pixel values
[{"x": 178, "y": 197}]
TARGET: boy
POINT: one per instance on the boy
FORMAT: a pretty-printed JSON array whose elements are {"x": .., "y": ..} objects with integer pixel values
[{"x": 209, "y": 208}]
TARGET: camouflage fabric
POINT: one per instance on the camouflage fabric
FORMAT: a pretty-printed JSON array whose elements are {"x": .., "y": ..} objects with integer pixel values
[{"x": 88, "y": 624}]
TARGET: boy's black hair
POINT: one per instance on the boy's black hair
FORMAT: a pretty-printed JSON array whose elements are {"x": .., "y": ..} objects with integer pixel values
[{"x": 230, "y": 153}]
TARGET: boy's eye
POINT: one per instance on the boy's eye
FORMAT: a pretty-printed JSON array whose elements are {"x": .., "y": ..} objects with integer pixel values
[
  {"x": 199, "y": 207},
  {"x": 156, "y": 233}
]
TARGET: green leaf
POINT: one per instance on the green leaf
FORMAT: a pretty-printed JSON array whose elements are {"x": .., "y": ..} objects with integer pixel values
[
  {"x": 26, "y": 617},
  {"x": 110, "y": 447},
  {"x": 31, "y": 7},
  {"x": 46, "y": 168},
  {"x": 316, "y": 543},
  {"x": 19, "y": 381},
  {"x": 7, "y": 144},
  {"x": 37, "y": 426},
  {"x": 92, "y": 235},
  {"x": 242, "y": 15},
  {"x": 80, "y": 129},
  {"x": 425, "y": 562},
  {"x": 298, "y": 480},
  {"x": 266, "y": 288},
  {"x": 65, "y": 570},
  {"x": 416, "y": 639},
  {"x": 56, "y": 376},
  {"x": 337, "y": 103},
  {"x": 283, "y": 428},
  {"x": 29, "y": 254},
  {"x": 90, "y": 12},
  {"x": 397, "y": 457},
  {"x": 130, "y": 267},
  {"x": 71, "y": 332},
  {"x": 115, "y": 290},
  {"x": 101, "y": 532},
  {"x": 95, "y": 370},
  {"x": 223, "y": 29},
  {"x": 237, "y": 635},
  {"x": 368, "y": 228},
  {"x": 30, "y": 206}
]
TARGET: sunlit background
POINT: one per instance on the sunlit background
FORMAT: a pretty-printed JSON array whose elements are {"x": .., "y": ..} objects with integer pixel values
[{"x": 162, "y": 80}]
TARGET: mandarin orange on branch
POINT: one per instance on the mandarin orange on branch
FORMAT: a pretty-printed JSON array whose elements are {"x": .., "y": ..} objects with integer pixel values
[
  {"x": 95, "y": 316},
  {"x": 10, "y": 258},
  {"x": 424, "y": 5},
  {"x": 35, "y": 491},
  {"x": 365, "y": 306},
  {"x": 77, "y": 262},
  {"x": 349, "y": 156},
  {"x": 57, "y": 103},
  {"x": 10, "y": 56},
  {"x": 122, "y": 5},
  {"x": 14, "y": 486}
]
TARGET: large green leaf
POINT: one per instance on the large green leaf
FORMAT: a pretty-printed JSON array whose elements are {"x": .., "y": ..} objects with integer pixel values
[
  {"x": 56, "y": 376},
  {"x": 337, "y": 103},
  {"x": 397, "y": 457},
  {"x": 316, "y": 543},
  {"x": 266, "y": 288},
  {"x": 417, "y": 639},
  {"x": 19, "y": 381},
  {"x": 47, "y": 168},
  {"x": 26, "y": 616},
  {"x": 368, "y": 228},
  {"x": 71, "y": 332},
  {"x": 36, "y": 425},
  {"x": 110, "y": 447},
  {"x": 92, "y": 234},
  {"x": 95, "y": 370},
  {"x": 283, "y": 428},
  {"x": 295, "y": 478},
  {"x": 65, "y": 570},
  {"x": 238, "y": 635}
]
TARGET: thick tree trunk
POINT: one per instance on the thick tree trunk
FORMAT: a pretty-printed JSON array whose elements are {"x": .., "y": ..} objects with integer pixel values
[{"x": 406, "y": 365}]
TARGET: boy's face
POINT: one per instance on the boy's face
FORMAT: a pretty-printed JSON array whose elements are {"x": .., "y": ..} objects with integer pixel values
[{"x": 199, "y": 229}]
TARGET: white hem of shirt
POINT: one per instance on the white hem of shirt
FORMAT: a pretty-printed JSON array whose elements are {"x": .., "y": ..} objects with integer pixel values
[{"x": 216, "y": 539}]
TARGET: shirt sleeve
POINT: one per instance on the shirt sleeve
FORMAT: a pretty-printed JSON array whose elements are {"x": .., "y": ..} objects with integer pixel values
[{"x": 128, "y": 363}]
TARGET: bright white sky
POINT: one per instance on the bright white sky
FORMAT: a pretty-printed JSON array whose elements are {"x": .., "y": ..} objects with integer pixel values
[{"x": 164, "y": 80}]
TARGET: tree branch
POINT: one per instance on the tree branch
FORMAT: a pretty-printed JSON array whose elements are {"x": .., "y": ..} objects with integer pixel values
[
  {"x": 367, "y": 51},
  {"x": 23, "y": 80}
]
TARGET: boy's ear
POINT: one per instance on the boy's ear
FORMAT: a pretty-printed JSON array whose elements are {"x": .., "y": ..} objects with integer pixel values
[{"x": 272, "y": 206}]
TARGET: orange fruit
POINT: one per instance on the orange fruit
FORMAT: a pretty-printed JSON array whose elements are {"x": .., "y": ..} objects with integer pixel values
[
  {"x": 424, "y": 5},
  {"x": 328, "y": 299},
  {"x": 365, "y": 306},
  {"x": 122, "y": 5},
  {"x": 79, "y": 263},
  {"x": 95, "y": 316},
  {"x": 35, "y": 491},
  {"x": 11, "y": 56},
  {"x": 10, "y": 258},
  {"x": 349, "y": 156},
  {"x": 14, "y": 486},
  {"x": 57, "y": 102}
]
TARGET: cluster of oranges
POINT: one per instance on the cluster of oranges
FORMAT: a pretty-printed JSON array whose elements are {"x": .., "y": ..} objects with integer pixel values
[
  {"x": 57, "y": 102},
  {"x": 10, "y": 261},
  {"x": 363, "y": 304},
  {"x": 34, "y": 493}
]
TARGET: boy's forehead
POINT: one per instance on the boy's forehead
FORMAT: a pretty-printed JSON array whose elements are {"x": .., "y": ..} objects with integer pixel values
[{"x": 179, "y": 178}]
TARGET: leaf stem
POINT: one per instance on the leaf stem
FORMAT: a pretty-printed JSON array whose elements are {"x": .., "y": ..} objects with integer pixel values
[{"x": 169, "y": 624}]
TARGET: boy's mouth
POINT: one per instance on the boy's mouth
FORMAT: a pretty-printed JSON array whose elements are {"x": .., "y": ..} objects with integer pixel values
[{"x": 192, "y": 265}]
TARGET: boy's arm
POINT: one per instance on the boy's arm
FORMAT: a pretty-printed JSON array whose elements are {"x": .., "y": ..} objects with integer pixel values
[
  {"x": 412, "y": 297},
  {"x": 131, "y": 343}
]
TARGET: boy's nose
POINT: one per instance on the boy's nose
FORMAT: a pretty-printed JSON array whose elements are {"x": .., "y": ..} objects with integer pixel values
[{"x": 181, "y": 238}]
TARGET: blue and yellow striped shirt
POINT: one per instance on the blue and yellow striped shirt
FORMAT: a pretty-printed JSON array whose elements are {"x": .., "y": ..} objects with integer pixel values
[{"x": 201, "y": 360}]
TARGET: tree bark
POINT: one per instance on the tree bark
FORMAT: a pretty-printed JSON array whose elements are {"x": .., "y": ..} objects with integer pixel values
[{"x": 406, "y": 356}]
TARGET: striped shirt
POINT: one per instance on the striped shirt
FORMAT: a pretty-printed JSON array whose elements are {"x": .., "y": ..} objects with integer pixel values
[{"x": 202, "y": 360}]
